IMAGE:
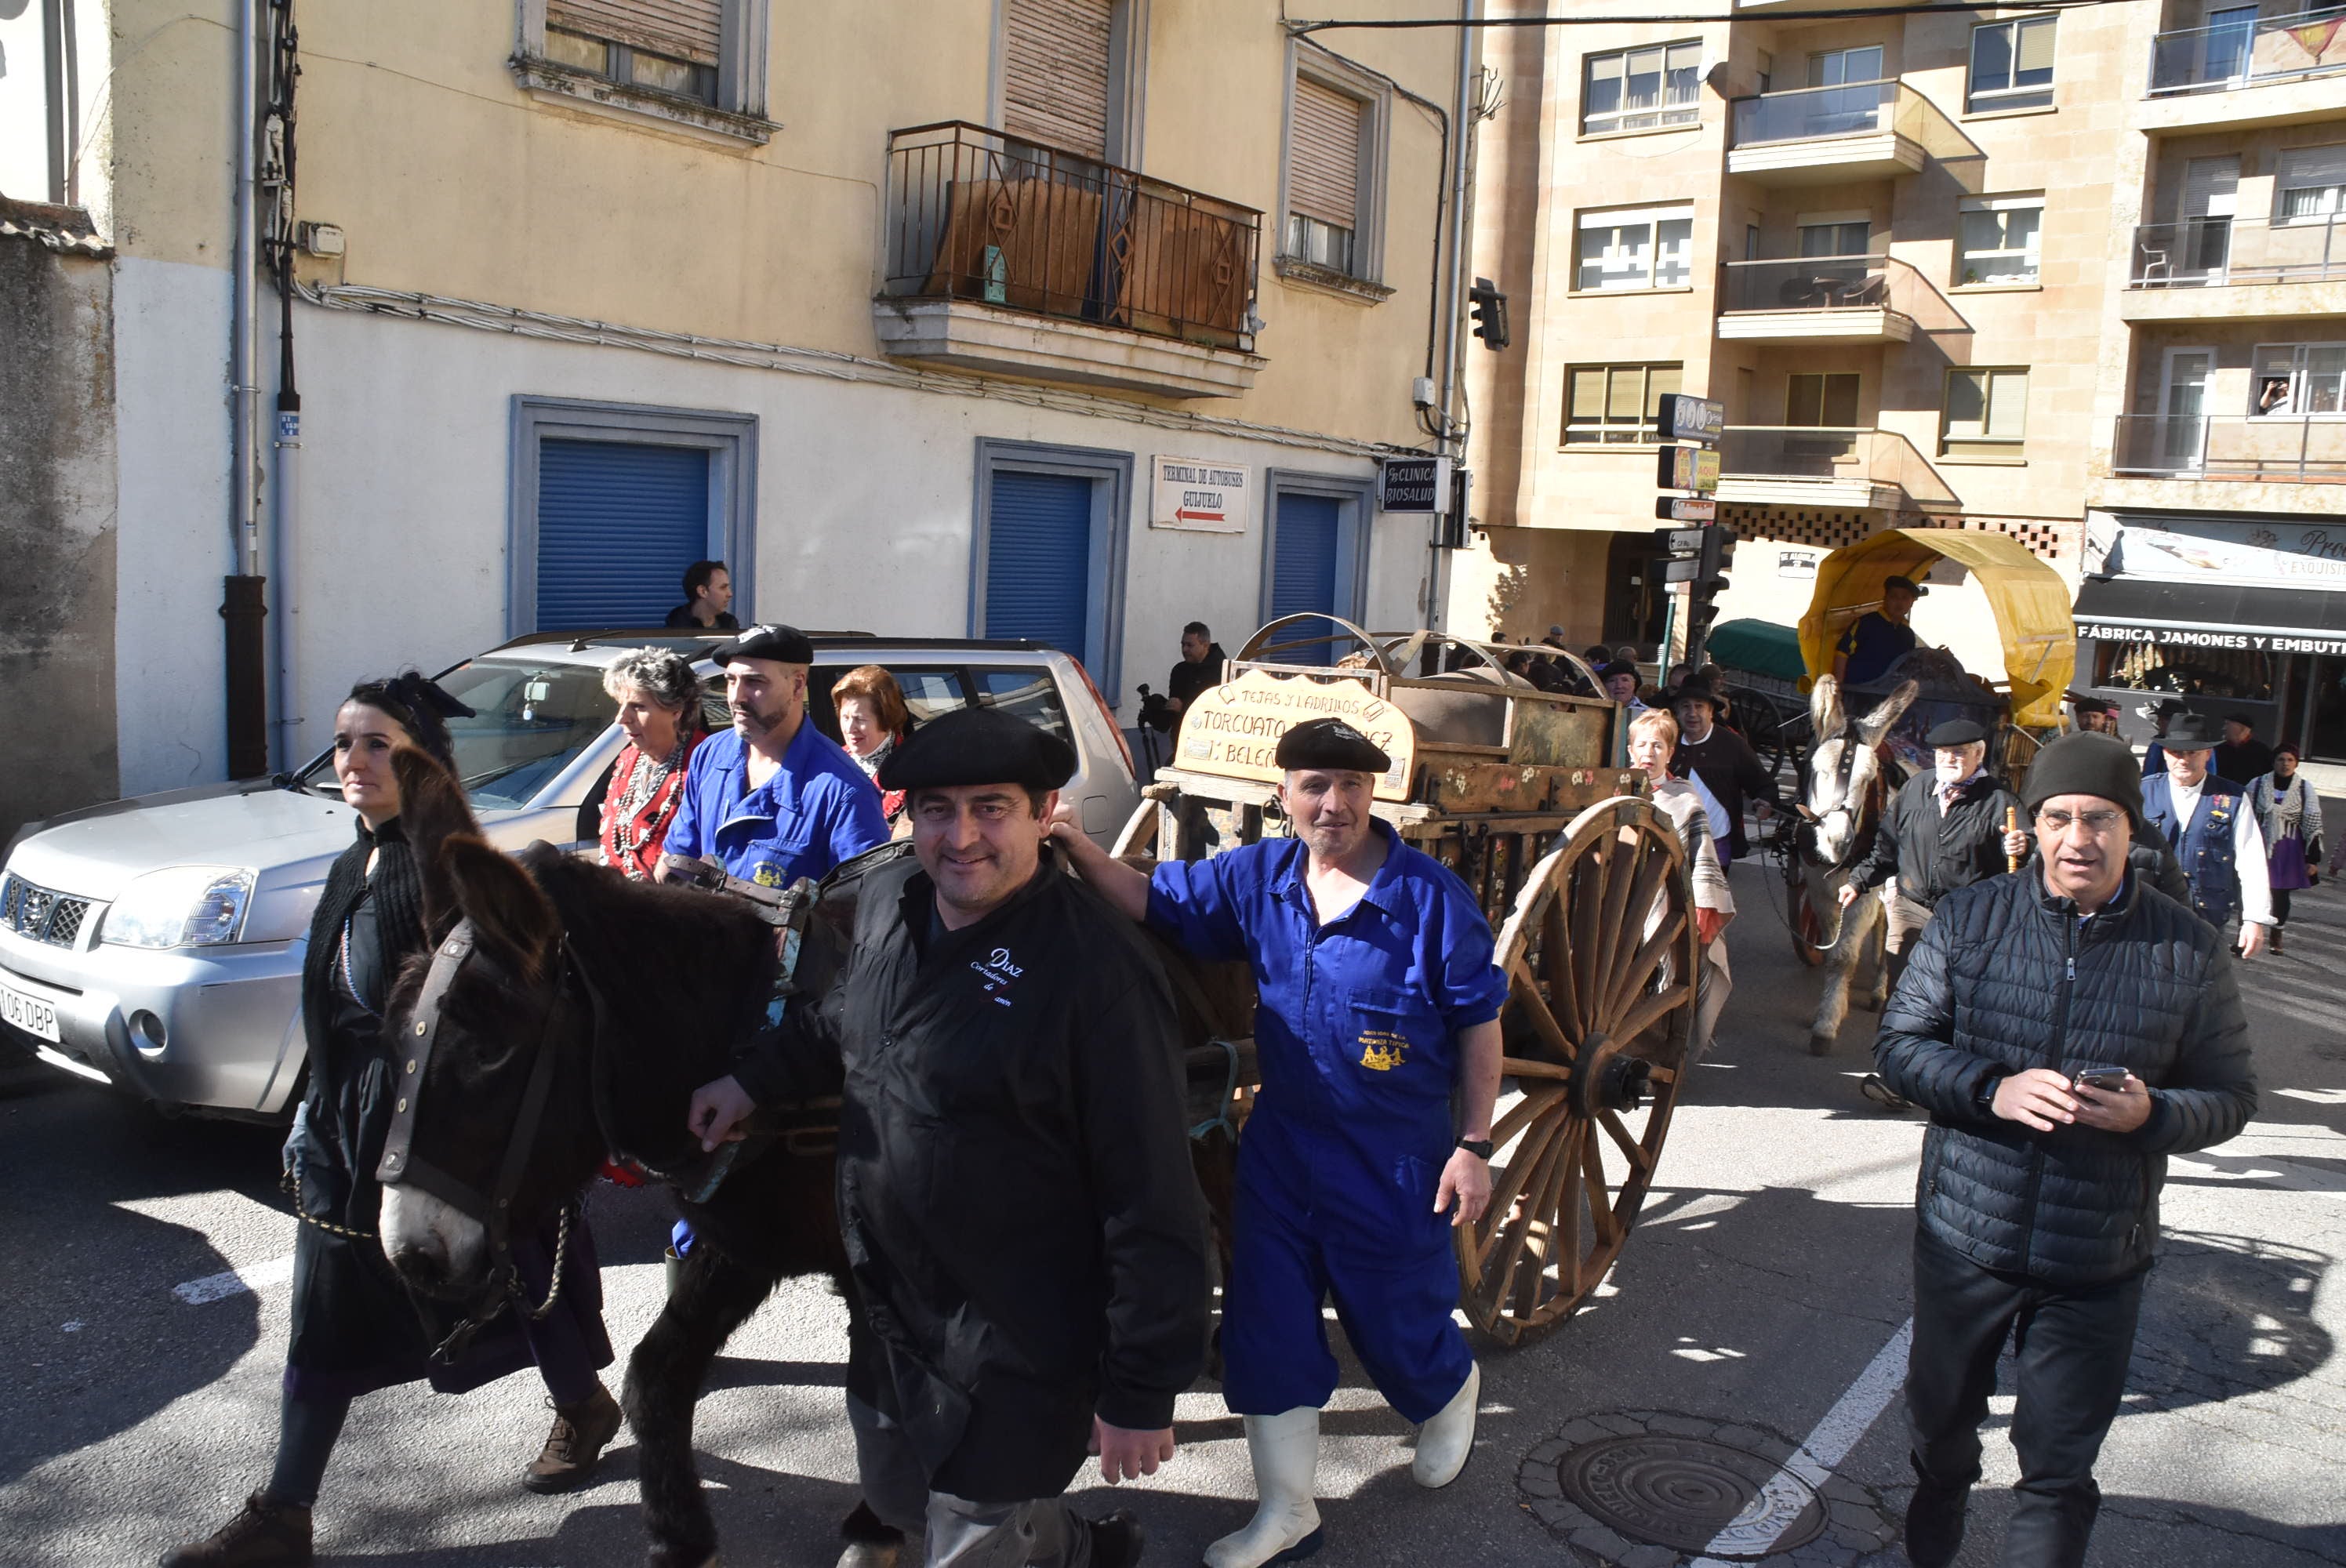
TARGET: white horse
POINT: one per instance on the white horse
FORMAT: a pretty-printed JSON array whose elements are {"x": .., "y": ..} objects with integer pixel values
[{"x": 1846, "y": 789}]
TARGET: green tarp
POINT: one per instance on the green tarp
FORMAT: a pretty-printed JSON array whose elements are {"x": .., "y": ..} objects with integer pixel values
[{"x": 1762, "y": 647}]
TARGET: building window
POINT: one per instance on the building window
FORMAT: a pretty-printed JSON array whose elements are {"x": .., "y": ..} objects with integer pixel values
[
  {"x": 1845, "y": 67},
  {"x": 700, "y": 62},
  {"x": 1641, "y": 89},
  {"x": 1612, "y": 405},
  {"x": 2011, "y": 65},
  {"x": 1986, "y": 413},
  {"x": 2313, "y": 184},
  {"x": 1643, "y": 248},
  {"x": 2298, "y": 379},
  {"x": 1826, "y": 400},
  {"x": 1997, "y": 238},
  {"x": 686, "y": 78},
  {"x": 1834, "y": 234},
  {"x": 1334, "y": 175}
]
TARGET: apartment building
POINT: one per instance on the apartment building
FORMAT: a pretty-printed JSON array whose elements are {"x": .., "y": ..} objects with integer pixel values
[
  {"x": 1937, "y": 268},
  {"x": 1073, "y": 320}
]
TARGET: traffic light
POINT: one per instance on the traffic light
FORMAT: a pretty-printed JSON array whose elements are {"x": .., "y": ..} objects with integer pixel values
[
  {"x": 1489, "y": 309},
  {"x": 1717, "y": 555}
]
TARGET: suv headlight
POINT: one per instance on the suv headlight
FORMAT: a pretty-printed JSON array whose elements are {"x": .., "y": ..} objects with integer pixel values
[{"x": 186, "y": 906}]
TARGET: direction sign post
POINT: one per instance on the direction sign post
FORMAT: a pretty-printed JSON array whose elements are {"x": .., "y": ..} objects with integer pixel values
[
  {"x": 1685, "y": 418},
  {"x": 1686, "y": 509}
]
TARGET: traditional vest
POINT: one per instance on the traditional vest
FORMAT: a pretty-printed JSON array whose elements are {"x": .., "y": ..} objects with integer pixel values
[{"x": 2204, "y": 844}]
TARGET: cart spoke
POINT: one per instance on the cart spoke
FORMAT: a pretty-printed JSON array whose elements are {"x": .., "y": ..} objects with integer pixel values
[
  {"x": 1651, "y": 1010},
  {"x": 1600, "y": 1194},
  {"x": 1636, "y": 974},
  {"x": 1527, "y": 1110},
  {"x": 1526, "y": 995},
  {"x": 1511, "y": 1182},
  {"x": 1515, "y": 1237},
  {"x": 1634, "y": 1152}
]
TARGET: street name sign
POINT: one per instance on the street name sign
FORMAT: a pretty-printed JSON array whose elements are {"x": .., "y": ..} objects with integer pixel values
[
  {"x": 1686, "y": 509},
  {"x": 1205, "y": 497}
]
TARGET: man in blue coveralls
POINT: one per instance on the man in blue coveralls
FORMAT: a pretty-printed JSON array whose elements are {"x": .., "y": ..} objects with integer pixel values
[
  {"x": 776, "y": 800},
  {"x": 1379, "y": 998}
]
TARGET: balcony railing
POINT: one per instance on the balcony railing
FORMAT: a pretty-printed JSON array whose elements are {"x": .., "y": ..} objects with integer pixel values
[
  {"x": 976, "y": 215},
  {"x": 2290, "y": 449},
  {"x": 2205, "y": 252},
  {"x": 1834, "y": 283},
  {"x": 2248, "y": 52},
  {"x": 1831, "y": 454},
  {"x": 1855, "y": 108}
]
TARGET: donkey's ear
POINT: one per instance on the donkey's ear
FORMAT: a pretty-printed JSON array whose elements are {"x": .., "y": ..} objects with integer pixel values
[
  {"x": 1891, "y": 709},
  {"x": 509, "y": 913},
  {"x": 432, "y": 810},
  {"x": 1824, "y": 708}
]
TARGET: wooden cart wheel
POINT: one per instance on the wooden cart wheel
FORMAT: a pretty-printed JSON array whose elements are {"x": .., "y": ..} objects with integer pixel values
[{"x": 1599, "y": 953}]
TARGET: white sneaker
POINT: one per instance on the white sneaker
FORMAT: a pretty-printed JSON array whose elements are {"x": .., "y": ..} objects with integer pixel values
[
  {"x": 1285, "y": 1528},
  {"x": 1445, "y": 1442}
]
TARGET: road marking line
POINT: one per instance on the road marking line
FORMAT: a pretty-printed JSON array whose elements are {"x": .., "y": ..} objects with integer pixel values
[
  {"x": 253, "y": 1277},
  {"x": 1779, "y": 1506}
]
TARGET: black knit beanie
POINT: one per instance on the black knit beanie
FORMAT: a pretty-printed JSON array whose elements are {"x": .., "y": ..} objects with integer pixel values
[{"x": 2086, "y": 764}]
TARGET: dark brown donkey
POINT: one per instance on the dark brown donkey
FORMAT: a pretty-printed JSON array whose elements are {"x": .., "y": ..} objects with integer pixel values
[{"x": 636, "y": 995}]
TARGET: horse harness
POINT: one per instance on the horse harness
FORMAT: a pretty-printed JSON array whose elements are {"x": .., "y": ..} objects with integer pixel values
[{"x": 1805, "y": 836}]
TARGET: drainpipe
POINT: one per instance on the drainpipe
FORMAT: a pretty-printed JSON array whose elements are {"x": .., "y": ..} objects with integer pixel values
[
  {"x": 243, "y": 608},
  {"x": 1461, "y": 121}
]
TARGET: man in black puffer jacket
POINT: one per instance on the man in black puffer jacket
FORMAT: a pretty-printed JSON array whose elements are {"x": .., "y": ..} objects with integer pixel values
[{"x": 2038, "y": 1199}]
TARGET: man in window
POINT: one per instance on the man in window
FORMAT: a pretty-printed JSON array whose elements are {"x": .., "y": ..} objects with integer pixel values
[
  {"x": 1879, "y": 639},
  {"x": 708, "y": 598}
]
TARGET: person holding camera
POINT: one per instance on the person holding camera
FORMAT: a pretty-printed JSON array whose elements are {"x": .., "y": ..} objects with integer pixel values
[{"x": 2068, "y": 1026}]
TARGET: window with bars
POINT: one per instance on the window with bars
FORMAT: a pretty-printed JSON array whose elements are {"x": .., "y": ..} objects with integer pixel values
[
  {"x": 2298, "y": 379},
  {"x": 670, "y": 47},
  {"x": 1617, "y": 405},
  {"x": 2011, "y": 65},
  {"x": 1826, "y": 400},
  {"x": 1639, "y": 247},
  {"x": 1335, "y": 152},
  {"x": 1986, "y": 413},
  {"x": 1641, "y": 89},
  {"x": 1997, "y": 238},
  {"x": 2313, "y": 184}
]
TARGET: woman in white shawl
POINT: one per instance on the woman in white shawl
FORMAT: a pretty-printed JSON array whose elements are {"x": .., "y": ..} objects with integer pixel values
[
  {"x": 1653, "y": 738},
  {"x": 2290, "y": 813}
]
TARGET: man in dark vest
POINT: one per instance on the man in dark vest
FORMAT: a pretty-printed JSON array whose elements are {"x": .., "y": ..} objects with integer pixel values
[{"x": 2207, "y": 821}]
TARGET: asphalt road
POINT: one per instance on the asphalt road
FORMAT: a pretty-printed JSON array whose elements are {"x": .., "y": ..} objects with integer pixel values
[{"x": 1767, "y": 1272}]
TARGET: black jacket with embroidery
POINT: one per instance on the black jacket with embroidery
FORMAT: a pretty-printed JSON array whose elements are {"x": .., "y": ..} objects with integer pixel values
[{"x": 1021, "y": 1217}]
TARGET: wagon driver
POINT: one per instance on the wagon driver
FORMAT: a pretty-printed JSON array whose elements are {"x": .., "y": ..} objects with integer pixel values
[{"x": 1379, "y": 998}]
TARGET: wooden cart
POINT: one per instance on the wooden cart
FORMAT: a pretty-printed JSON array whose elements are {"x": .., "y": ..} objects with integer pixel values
[{"x": 1517, "y": 791}]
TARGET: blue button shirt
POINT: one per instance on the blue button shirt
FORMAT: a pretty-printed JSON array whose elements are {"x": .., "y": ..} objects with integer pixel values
[
  {"x": 1873, "y": 643},
  {"x": 816, "y": 810},
  {"x": 1357, "y": 1028}
]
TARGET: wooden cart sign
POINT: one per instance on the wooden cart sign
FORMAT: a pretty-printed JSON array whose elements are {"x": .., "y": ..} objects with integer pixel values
[{"x": 1232, "y": 730}]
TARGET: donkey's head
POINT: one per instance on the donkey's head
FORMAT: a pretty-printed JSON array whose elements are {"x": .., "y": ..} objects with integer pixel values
[{"x": 1844, "y": 771}]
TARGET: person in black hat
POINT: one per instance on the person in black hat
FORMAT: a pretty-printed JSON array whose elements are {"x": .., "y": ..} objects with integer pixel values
[
  {"x": 2094, "y": 715},
  {"x": 2068, "y": 1028},
  {"x": 1621, "y": 680},
  {"x": 1378, "y": 1006},
  {"x": 1013, "y": 1165},
  {"x": 2208, "y": 821},
  {"x": 1945, "y": 830},
  {"x": 2161, "y": 713},
  {"x": 2240, "y": 756},
  {"x": 1880, "y": 637},
  {"x": 774, "y": 800},
  {"x": 1722, "y": 759}
]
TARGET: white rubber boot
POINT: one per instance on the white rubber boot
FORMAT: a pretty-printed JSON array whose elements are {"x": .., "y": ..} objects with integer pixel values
[
  {"x": 1445, "y": 1442},
  {"x": 1286, "y": 1523}
]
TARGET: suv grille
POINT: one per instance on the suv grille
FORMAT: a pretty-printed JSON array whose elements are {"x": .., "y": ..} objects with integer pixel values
[{"x": 36, "y": 912}]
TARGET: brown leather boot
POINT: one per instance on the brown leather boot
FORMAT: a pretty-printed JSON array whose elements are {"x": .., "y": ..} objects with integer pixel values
[
  {"x": 575, "y": 1443},
  {"x": 265, "y": 1535}
]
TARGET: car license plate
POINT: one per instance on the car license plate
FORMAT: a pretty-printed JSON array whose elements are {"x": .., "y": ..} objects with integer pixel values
[{"x": 29, "y": 1013}]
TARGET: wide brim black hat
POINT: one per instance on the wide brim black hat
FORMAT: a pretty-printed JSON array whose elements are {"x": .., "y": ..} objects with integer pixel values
[
  {"x": 783, "y": 645},
  {"x": 1693, "y": 689},
  {"x": 978, "y": 746},
  {"x": 2189, "y": 732}
]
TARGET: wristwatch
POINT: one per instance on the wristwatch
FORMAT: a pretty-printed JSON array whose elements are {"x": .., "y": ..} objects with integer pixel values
[
  {"x": 1481, "y": 1148},
  {"x": 1984, "y": 1101}
]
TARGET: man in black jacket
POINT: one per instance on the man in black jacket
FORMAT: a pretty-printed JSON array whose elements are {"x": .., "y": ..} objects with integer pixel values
[
  {"x": 2068, "y": 1028},
  {"x": 1015, "y": 1185},
  {"x": 1944, "y": 830},
  {"x": 1722, "y": 759}
]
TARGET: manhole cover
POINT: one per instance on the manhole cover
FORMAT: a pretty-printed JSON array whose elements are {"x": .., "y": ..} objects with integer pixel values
[{"x": 1691, "y": 1496}]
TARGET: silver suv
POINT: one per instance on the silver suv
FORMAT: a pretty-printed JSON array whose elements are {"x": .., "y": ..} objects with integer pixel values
[{"x": 155, "y": 943}]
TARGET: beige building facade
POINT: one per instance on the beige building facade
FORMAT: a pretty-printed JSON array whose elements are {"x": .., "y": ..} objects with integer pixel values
[{"x": 1941, "y": 271}]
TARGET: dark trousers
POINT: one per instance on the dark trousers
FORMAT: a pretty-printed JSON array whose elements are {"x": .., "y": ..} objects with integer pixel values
[{"x": 2072, "y": 1344}]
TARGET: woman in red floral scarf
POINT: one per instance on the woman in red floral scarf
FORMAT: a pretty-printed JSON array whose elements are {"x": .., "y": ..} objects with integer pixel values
[{"x": 659, "y": 710}]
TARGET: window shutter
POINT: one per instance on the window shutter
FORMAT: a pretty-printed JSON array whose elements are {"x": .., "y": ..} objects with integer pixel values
[
  {"x": 617, "y": 523},
  {"x": 2034, "y": 51},
  {"x": 2313, "y": 165},
  {"x": 1303, "y": 565},
  {"x": 1038, "y": 547},
  {"x": 1056, "y": 73},
  {"x": 2209, "y": 185},
  {"x": 1323, "y": 156},
  {"x": 685, "y": 29}
]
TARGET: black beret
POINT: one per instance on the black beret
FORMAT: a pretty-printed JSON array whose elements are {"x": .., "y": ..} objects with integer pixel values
[
  {"x": 977, "y": 746},
  {"x": 1955, "y": 732},
  {"x": 1618, "y": 666},
  {"x": 2189, "y": 733},
  {"x": 783, "y": 645},
  {"x": 1330, "y": 743}
]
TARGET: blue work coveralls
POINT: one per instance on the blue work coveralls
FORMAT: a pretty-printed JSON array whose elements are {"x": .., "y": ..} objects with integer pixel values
[
  {"x": 1342, "y": 1155},
  {"x": 816, "y": 810}
]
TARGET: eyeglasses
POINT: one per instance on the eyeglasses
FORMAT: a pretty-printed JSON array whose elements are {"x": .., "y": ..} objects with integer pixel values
[{"x": 2098, "y": 823}]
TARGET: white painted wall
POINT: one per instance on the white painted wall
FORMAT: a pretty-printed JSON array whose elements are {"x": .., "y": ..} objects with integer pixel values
[
  {"x": 866, "y": 495},
  {"x": 23, "y": 103},
  {"x": 172, "y": 546}
]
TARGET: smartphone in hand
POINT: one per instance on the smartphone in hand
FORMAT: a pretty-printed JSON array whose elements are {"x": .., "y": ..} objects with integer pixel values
[{"x": 2108, "y": 1080}]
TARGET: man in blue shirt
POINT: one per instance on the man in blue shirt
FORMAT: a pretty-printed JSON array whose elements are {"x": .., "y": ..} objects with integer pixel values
[
  {"x": 1379, "y": 997},
  {"x": 1878, "y": 638},
  {"x": 776, "y": 800}
]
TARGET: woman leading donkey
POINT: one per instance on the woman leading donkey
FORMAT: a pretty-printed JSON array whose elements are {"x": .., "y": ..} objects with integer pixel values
[{"x": 355, "y": 1327}]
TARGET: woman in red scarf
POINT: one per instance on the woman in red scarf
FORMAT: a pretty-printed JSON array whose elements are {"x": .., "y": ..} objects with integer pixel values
[{"x": 659, "y": 710}]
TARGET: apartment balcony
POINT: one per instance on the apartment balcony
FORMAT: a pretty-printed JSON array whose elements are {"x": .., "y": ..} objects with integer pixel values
[
  {"x": 2236, "y": 269},
  {"x": 1810, "y": 465},
  {"x": 1833, "y": 136},
  {"x": 1013, "y": 258},
  {"x": 1822, "y": 299},
  {"x": 2251, "y": 52},
  {"x": 2271, "y": 449}
]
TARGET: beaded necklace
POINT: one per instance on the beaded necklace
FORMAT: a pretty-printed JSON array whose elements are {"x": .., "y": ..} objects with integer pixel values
[{"x": 644, "y": 783}]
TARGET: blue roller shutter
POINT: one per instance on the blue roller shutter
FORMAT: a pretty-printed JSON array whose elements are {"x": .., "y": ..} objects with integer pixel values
[
  {"x": 1038, "y": 544},
  {"x": 617, "y": 523},
  {"x": 1303, "y": 563}
]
